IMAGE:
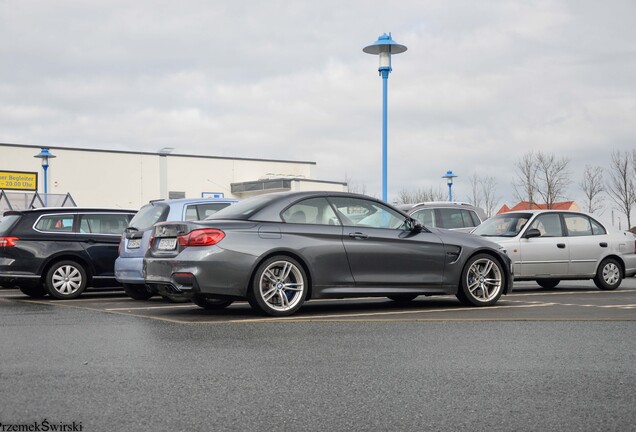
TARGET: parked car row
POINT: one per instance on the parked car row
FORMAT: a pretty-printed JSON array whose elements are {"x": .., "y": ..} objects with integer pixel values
[{"x": 279, "y": 250}]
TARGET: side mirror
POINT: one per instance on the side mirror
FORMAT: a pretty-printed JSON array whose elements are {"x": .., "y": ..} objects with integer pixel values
[
  {"x": 531, "y": 233},
  {"x": 416, "y": 227}
]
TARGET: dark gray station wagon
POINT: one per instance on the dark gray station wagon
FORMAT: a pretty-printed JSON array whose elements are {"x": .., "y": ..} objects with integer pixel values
[{"x": 60, "y": 251}]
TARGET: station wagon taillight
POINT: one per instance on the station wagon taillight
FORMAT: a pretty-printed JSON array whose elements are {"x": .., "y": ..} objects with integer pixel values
[
  {"x": 8, "y": 241},
  {"x": 202, "y": 237}
]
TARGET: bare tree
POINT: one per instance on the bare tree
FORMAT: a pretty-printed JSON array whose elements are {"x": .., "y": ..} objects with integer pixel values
[
  {"x": 476, "y": 196},
  {"x": 552, "y": 177},
  {"x": 491, "y": 201},
  {"x": 621, "y": 182},
  {"x": 525, "y": 185},
  {"x": 592, "y": 186},
  {"x": 420, "y": 195}
]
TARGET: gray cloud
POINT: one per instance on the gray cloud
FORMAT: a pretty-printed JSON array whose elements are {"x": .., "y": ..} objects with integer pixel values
[{"x": 481, "y": 84}]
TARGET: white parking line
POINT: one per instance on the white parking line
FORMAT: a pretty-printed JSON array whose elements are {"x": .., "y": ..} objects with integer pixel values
[
  {"x": 370, "y": 314},
  {"x": 152, "y": 307}
]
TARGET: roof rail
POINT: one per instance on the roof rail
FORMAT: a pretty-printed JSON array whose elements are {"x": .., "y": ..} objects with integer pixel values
[{"x": 442, "y": 202}]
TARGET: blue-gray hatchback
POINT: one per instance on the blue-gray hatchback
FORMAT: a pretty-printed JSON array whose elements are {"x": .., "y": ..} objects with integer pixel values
[{"x": 134, "y": 242}]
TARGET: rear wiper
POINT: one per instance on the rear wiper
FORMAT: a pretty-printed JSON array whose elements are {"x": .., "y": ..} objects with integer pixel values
[{"x": 132, "y": 229}]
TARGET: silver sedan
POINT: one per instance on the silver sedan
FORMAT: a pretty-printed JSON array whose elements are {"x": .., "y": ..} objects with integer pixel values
[{"x": 549, "y": 245}]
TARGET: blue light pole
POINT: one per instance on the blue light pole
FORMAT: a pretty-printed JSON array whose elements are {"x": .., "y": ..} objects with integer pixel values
[
  {"x": 384, "y": 47},
  {"x": 45, "y": 155},
  {"x": 449, "y": 179}
]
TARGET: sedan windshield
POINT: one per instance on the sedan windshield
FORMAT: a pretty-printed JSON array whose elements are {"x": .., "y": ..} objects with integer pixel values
[{"x": 503, "y": 225}]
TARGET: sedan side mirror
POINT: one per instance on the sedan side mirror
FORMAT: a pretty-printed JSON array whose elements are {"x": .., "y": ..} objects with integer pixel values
[
  {"x": 531, "y": 233},
  {"x": 416, "y": 227}
]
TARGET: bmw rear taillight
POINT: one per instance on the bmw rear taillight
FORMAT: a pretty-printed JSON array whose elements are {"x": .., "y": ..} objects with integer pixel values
[
  {"x": 8, "y": 241},
  {"x": 202, "y": 237}
]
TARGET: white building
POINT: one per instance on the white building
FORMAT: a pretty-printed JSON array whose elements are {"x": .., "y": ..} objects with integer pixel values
[{"x": 123, "y": 179}]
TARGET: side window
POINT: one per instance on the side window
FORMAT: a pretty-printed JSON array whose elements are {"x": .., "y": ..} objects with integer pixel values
[
  {"x": 425, "y": 217},
  {"x": 208, "y": 209},
  {"x": 111, "y": 224},
  {"x": 476, "y": 220},
  {"x": 451, "y": 218},
  {"x": 315, "y": 211},
  {"x": 55, "y": 223},
  {"x": 365, "y": 213},
  {"x": 549, "y": 224},
  {"x": 191, "y": 213},
  {"x": 597, "y": 228},
  {"x": 577, "y": 225},
  {"x": 468, "y": 218}
]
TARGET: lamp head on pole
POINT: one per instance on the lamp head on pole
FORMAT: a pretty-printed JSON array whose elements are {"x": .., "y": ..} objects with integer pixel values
[
  {"x": 384, "y": 47},
  {"x": 45, "y": 155},
  {"x": 449, "y": 177}
]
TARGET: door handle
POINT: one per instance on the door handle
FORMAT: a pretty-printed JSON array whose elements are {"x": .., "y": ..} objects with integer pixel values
[
  {"x": 358, "y": 235},
  {"x": 603, "y": 244},
  {"x": 561, "y": 245}
]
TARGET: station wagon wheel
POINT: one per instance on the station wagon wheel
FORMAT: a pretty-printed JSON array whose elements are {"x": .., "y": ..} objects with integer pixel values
[
  {"x": 609, "y": 275},
  {"x": 279, "y": 287},
  {"x": 66, "y": 280},
  {"x": 482, "y": 281},
  {"x": 210, "y": 303},
  {"x": 138, "y": 291},
  {"x": 34, "y": 292}
]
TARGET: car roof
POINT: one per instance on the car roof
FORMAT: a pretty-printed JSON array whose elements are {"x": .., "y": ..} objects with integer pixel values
[
  {"x": 193, "y": 200},
  {"x": 69, "y": 210}
]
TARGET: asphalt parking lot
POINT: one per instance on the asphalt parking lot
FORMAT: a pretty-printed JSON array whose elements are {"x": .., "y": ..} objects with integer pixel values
[
  {"x": 560, "y": 359},
  {"x": 574, "y": 300}
]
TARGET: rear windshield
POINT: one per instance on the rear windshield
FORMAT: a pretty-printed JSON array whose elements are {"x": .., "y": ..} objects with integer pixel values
[
  {"x": 7, "y": 222},
  {"x": 149, "y": 215}
]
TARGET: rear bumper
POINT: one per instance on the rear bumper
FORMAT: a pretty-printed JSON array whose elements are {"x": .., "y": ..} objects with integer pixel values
[
  {"x": 129, "y": 270},
  {"x": 10, "y": 280}
]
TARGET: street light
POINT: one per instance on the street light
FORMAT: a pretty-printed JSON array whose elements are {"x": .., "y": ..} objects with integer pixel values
[
  {"x": 449, "y": 179},
  {"x": 45, "y": 155},
  {"x": 384, "y": 47}
]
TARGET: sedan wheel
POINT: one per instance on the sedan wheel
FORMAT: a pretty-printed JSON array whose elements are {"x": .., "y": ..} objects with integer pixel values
[
  {"x": 482, "y": 281},
  {"x": 66, "y": 280},
  {"x": 279, "y": 287},
  {"x": 609, "y": 275},
  {"x": 548, "y": 283}
]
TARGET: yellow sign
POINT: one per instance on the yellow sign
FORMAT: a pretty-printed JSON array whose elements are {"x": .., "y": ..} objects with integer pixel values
[{"x": 19, "y": 180}]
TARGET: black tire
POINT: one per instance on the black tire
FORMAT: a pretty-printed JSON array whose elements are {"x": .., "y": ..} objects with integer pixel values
[
  {"x": 548, "y": 283},
  {"x": 402, "y": 297},
  {"x": 279, "y": 287},
  {"x": 482, "y": 281},
  {"x": 609, "y": 275},
  {"x": 137, "y": 291},
  {"x": 175, "y": 299},
  {"x": 66, "y": 280},
  {"x": 34, "y": 292},
  {"x": 210, "y": 303}
]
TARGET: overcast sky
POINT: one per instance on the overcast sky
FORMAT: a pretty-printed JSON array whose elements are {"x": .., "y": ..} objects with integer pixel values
[{"x": 481, "y": 84}]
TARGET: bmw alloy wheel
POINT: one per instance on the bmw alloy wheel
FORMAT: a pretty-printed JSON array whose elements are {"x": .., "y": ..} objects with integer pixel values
[
  {"x": 482, "y": 281},
  {"x": 280, "y": 286}
]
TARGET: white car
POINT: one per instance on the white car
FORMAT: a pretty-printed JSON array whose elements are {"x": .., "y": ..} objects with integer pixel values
[{"x": 550, "y": 245}]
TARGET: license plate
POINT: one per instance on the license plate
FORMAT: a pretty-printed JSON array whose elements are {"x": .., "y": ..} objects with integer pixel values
[
  {"x": 134, "y": 243},
  {"x": 167, "y": 244}
]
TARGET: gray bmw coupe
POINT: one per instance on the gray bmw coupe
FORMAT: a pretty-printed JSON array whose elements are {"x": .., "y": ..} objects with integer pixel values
[{"x": 282, "y": 249}]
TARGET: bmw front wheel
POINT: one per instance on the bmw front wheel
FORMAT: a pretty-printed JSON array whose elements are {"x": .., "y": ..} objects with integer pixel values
[
  {"x": 482, "y": 281},
  {"x": 279, "y": 287}
]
